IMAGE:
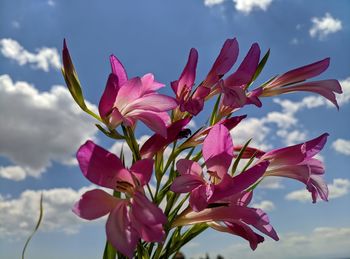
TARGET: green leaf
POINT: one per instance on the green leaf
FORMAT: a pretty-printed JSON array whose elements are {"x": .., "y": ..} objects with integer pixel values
[
  {"x": 36, "y": 227},
  {"x": 238, "y": 158},
  {"x": 109, "y": 252},
  {"x": 110, "y": 133},
  {"x": 215, "y": 110}
]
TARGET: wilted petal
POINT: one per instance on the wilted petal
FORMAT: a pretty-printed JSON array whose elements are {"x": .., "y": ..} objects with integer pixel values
[
  {"x": 300, "y": 74},
  {"x": 223, "y": 63},
  {"x": 95, "y": 204},
  {"x": 142, "y": 169},
  {"x": 158, "y": 142},
  {"x": 109, "y": 95},
  {"x": 118, "y": 69},
  {"x": 186, "y": 183},
  {"x": 119, "y": 231},
  {"x": 100, "y": 166}
]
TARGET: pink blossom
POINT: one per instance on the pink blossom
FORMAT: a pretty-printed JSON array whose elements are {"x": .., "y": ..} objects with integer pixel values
[
  {"x": 130, "y": 218},
  {"x": 128, "y": 100},
  {"x": 218, "y": 153}
]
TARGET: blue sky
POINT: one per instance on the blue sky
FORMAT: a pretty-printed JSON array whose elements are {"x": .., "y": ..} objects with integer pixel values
[{"x": 41, "y": 127}]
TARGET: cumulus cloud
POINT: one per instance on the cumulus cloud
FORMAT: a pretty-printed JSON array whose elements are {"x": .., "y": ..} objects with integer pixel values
[
  {"x": 321, "y": 242},
  {"x": 41, "y": 127},
  {"x": 247, "y": 6},
  {"x": 18, "y": 216},
  {"x": 265, "y": 205},
  {"x": 271, "y": 183},
  {"x": 339, "y": 188},
  {"x": 323, "y": 26},
  {"x": 44, "y": 58},
  {"x": 342, "y": 146}
]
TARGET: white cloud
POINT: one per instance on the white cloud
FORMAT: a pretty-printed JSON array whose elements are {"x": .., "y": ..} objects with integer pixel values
[
  {"x": 342, "y": 146},
  {"x": 322, "y": 242},
  {"x": 323, "y": 26},
  {"x": 15, "y": 173},
  {"x": 344, "y": 98},
  {"x": 337, "y": 189},
  {"x": 292, "y": 137},
  {"x": 18, "y": 216},
  {"x": 213, "y": 2},
  {"x": 40, "y": 127},
  {"x": 44, "y": 58},
  {"x": 246, "y": 6},
  {"x": 265, "y": 205},
  {"x": 271, "y": 183}
]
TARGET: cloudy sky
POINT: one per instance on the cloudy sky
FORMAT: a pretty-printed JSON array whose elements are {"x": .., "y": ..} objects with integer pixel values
[{"x": 41, "y": 127}]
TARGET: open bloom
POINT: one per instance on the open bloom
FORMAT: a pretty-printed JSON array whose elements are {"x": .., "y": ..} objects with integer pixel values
[
  {"x": 292, "y": 81},
  {"x": 217, "y": 184},
  {"x": 130, "y": 218},
  {"x": 128, "y": 100},
  {"x": 298, "y": 162},
  {"x": 232, "y": 215}
]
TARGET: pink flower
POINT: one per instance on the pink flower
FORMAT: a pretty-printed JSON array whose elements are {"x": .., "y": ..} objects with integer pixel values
[
  {"x": 193, "y": 102},
  {"x": 231, "y": 215},
  {"x": 298, "y": 162},
  {"x": 292, "y": 81},
  {"x": 218, "y": 153},
  {"x": 129, "y": 219},
  {"x": 126, "y": 101}
]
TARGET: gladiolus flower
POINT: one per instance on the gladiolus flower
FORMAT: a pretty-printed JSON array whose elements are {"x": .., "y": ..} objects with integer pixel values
[
  {"x": 129, "y": 219},
  {"x": 126, "y": 101},
  {"x": 218, "y": 153},
  {"x": 234, "y": 217},
  {"x": 297, "y": 162}
]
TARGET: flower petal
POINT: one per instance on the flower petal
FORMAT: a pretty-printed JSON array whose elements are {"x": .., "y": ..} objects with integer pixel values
[
  {"x": 199, "y": 196},
  {"x": 186, "y": 183},
  {"x": 108, "y": 97},
  {"x": 119, "y": 231},
  {"x": 223, "y": 63},
  {"x": 95, "y": 204},
  {"x": 100, "y": 166},
  {"x": 158, "y": 142},
  {"x": 151, "y": 102},
  {"x": 118, "y": 69},
  {"x": 156, "y": 121},
  {"x": 185, "y": 166},
  {"x": 149, "y": 85},
  {"x": 128, "y": 92},
  {"x": 142, "y": 169}
]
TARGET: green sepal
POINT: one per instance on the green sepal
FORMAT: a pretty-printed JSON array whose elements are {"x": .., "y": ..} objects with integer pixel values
[{"x": 238, "y": 158}]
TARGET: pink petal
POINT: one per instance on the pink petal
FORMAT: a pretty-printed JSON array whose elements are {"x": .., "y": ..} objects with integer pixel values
[
  {"x": 99, "y": 166},
  {"x": 232, "y": 122},
  {"x": 119, "y": 231},
  {"x": 188, "y": 75},
  {"x": 193, "y": 106},
  {"x": 142, "y": 169},
  {"x": 233, "y": 185},
  {"x": 186, "y": 183},
  {"x": 246, "y": 70},
  {"x": 108, "y": 97},
  {"x": 118, "y": 69},
  {"x": 156, "y": 121},
  {"x": 150, "y": 233},
  {"x": 234, "y": 96},
  {"x": 223, "y": 63},
  {"x": 218, "y": 144},
  {"x": 149, "y": 85},
  {"x": 95, "y": 204},
  {"x": 128, "y": 92},
  {"x": 199, "y": 196},
  {"x": 146, "y": 211},
  {"x": 158, "y": 142},
  {"x": 151, "y": 102},
  {"x": 185, "y": 166},
  {"x": 326, "y": 88},
  {"x": 301, "y": 73}
]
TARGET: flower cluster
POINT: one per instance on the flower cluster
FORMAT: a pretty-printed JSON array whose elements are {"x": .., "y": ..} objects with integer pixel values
[{"x": 179, "y": 178}]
